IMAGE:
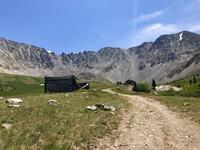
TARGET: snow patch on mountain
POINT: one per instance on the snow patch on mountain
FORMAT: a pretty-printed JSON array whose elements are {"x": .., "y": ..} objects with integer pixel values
[{"x": 181, "y": 37}]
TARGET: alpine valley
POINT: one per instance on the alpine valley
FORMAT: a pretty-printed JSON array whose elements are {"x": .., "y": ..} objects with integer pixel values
[{"x": 169, "y": 58}]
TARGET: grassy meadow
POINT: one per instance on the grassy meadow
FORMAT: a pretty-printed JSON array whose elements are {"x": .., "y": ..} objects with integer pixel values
[
  {"x": 190, "y": 87},
  {"x": 12, "y": 85},
  {"x": 187, "y": 101},
  {"x": 69, "y": 126},
  {"x": 38, "y": 125},
  {"x": 188, "y": 107}
]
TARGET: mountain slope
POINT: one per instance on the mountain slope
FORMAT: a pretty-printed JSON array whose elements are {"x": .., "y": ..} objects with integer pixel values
[{"x": 168, "y": 58}]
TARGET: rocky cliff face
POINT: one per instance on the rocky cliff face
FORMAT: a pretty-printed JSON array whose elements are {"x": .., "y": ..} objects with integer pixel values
[
  {"x": 168, "y": 58},
  {"x": 179, "y": 46}
]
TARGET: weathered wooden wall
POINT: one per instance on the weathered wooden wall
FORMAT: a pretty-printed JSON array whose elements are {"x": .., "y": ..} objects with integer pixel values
[{"x": 62, "y": 84}]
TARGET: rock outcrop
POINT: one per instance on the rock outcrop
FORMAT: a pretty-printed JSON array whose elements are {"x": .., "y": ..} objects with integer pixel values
[{"x": 168, "y": 58}]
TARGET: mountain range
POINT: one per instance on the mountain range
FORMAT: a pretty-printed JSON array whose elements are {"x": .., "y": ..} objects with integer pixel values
[{"x": 168, "y": 58}]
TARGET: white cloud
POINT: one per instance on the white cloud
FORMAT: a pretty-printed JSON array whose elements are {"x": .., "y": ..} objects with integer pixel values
[
  {"x": 186, "y": 18},
  {"x": 158, "y": 28},
  {"x": 153, "y": 31},
  {"x": 153, "y": 15}
]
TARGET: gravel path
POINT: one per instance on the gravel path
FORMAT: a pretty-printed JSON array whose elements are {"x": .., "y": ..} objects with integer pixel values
[{"x": 148, "y": 125}]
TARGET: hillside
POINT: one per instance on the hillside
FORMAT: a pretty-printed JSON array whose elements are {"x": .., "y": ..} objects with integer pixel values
[
  {"x": 169, "y": 58},
  {"x": 190, "y": 87},
  {"x": 67, "y": 124},
  {"x": 13, "y": 85}
]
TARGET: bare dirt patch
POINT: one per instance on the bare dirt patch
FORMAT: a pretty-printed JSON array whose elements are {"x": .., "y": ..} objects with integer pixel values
[{"x": 152, "y": 126}]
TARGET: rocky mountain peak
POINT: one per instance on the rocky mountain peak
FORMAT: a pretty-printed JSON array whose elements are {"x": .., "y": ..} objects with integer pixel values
[
  {"x": 110, "y": 53},
  {"x": 168, "y": 58},
  {"x": 172, "y": 47},
  {"x": 84, "y": 59}
]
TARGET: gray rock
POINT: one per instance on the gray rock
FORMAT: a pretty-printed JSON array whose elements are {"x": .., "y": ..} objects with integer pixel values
[
  {"x": 7, "y": 125},
  {"x": 13, "y": 106},
  {"x": 100, "y": 106},
  {"x": 55, "y": 103},
  {"x": 92, "y": 108},
  {"x": 112, "y": 108},
  {"x": 186, "y": 104},
  {"x": 112, "y": 113},
  {"x": 168, "y": 58},
  {"x": 105, "y": 108},
  {"x": 52, "y": 101},
  {"x": 14, "y": 100}
]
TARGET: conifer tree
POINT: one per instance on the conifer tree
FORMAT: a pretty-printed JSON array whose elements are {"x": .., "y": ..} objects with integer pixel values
[
  {"x": 194, "y": 79},
  {"x": 153, "y": 84}
]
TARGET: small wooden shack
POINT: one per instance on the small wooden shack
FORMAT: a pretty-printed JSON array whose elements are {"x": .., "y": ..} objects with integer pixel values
[
  {"x": 130, "y": 85},
  {"x": 130, "y": 82},
  {"x": 61, "y": 84}
]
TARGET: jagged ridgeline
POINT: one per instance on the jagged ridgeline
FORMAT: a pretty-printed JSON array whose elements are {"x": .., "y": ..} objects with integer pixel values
[{"x": 169, "y": 58}]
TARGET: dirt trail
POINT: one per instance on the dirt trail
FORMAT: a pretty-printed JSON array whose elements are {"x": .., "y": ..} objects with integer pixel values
[{"x": 151, "y": 126}]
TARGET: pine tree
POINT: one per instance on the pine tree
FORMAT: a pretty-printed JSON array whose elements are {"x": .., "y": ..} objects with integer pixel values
[
  {"x": 194, "y": 80},
  {"x": 153, "y": 84}
]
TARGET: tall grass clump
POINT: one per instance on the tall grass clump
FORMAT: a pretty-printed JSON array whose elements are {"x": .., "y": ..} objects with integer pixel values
[
  {"x": 142, "y": 87},
  {"x": 190, "y": 87}
]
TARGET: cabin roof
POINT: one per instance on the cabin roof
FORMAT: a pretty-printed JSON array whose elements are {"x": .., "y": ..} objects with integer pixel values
[{"x": 62, "y": 78}]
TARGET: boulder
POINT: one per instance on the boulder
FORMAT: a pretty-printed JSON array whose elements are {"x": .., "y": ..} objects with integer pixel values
[
  {"x": 7, "y": 125},
  {"x": 52, "y": 101},
  {"x": 162, "y": 88},
  {"x": 13, "y": 106},
  {"x": 186, "y": 104},
  {"x": 14, "y": 100},
  {"x": 92, "y": 108},
  {"x": 112, "y": 108},
  {"x": 106, "y": 108},
  {"x": 101, "y": 107},
  {"x": 112, "y": 113}
]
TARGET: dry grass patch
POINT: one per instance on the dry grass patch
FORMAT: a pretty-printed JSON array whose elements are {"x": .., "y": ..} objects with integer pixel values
[
  {"x": 38, "y": 125},
  {"x": 187, "y": 106}
]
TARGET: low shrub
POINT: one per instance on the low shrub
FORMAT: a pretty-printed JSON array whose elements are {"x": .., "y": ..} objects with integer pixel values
[
  {"x": 184, "y": 92},
  {"x": 142, "y": 87}
]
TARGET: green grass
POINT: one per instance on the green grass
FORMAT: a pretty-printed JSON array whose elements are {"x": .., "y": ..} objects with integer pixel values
[
  {"x": 38, "y": 125},
  {"x": 12, "y": 85},
  {"x": 189, "y": 89},
  {"x": 100, "y": 85},
  {"x": 142, "y": 87},
  {"x": 186, "y": 101},
  {"x": 185, "y": 81},
  {"x": 121, "y": 89},
  {"x": 187, "y": 106}
]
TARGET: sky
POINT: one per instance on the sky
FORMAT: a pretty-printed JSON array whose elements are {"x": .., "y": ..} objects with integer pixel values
[{"x": 78, "y": 25}]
